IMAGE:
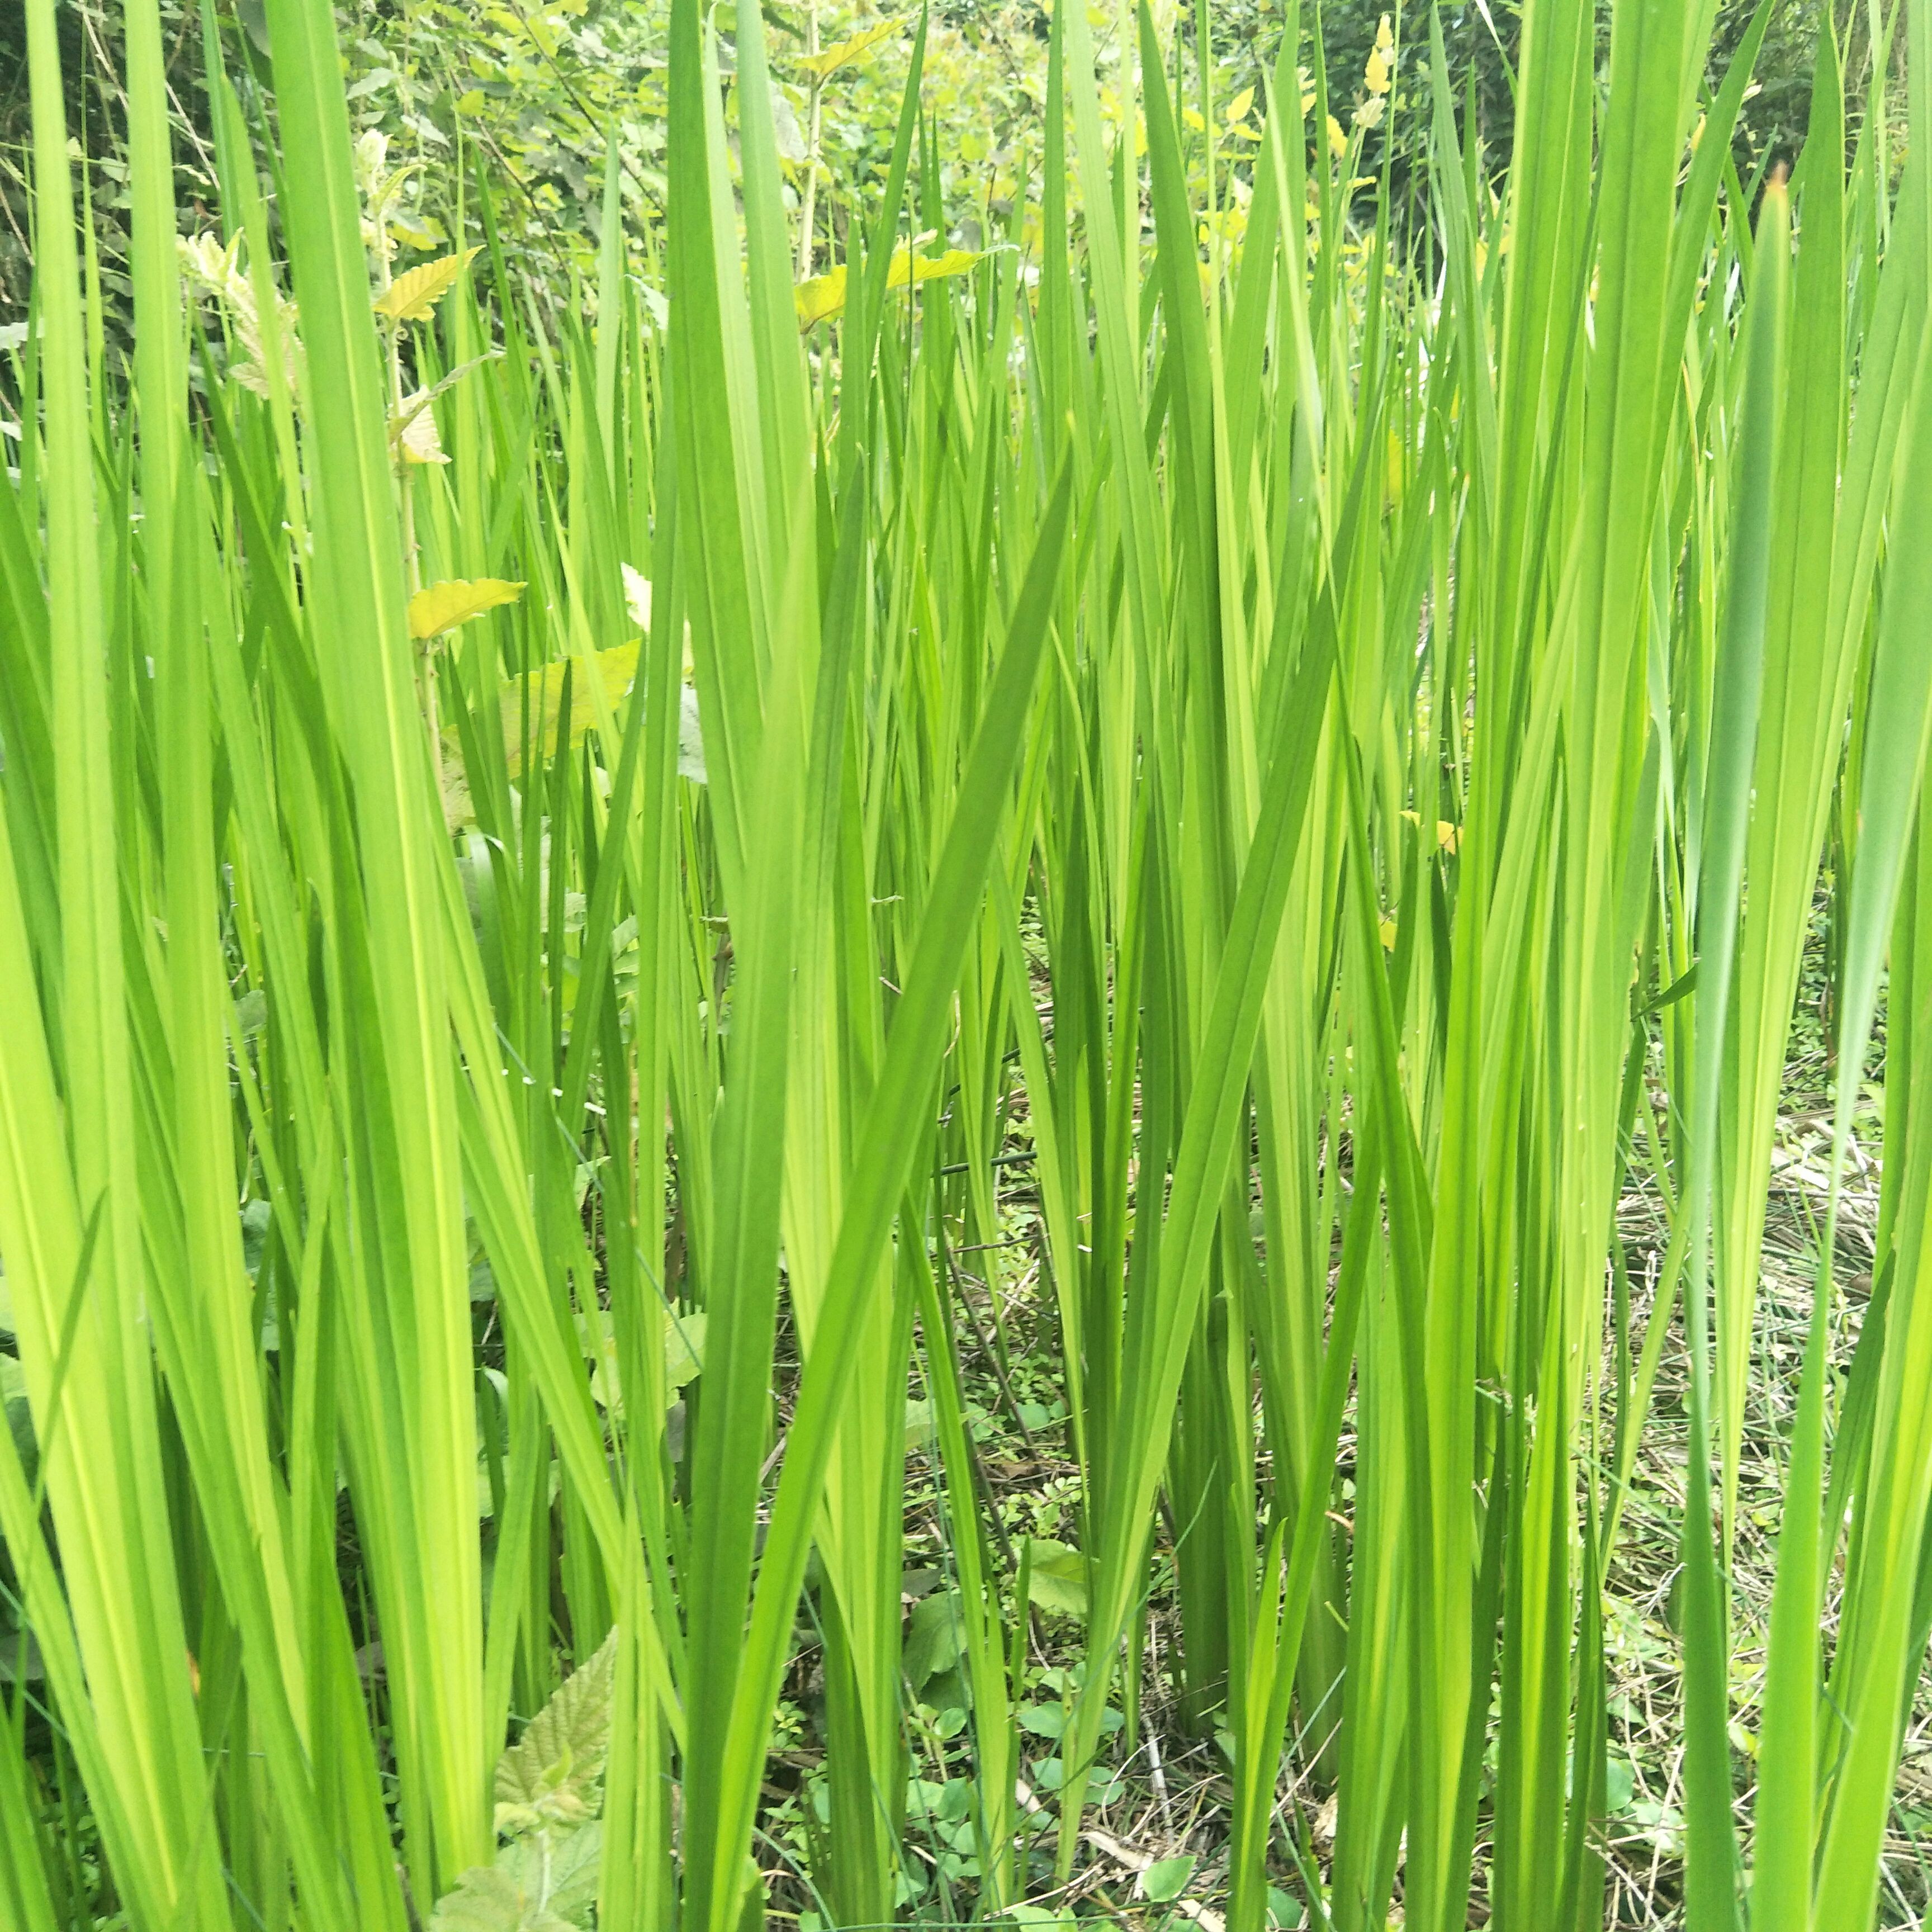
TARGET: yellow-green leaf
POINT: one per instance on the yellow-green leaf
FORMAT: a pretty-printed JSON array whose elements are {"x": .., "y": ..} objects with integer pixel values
[
  {"x": 542, "y": 691},
  {"x": 1448, "y": 835},
  {"x": 821, "y": 66},
  {"x": 907, "y": 269},
  {"x": 441, "y": 607},
  {"x": 824, "y": 294},
  {"x": 419, "y": 231},
  {"x": 617, "y": 669},
  {"x": 413, "y": 296}
]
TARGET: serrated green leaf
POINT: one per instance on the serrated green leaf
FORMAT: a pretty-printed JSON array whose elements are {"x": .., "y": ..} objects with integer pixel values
[
  {"x": 559, "y": 1869},
  {"x": 489, "y": 1898},
  {"x": 412, "y": 297},
  {"x": 547, "y": 1776}
]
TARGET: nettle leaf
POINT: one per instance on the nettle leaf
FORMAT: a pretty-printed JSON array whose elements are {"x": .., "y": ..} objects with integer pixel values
[
  {"x": 438, "y": 607},
  {"x": 412, "y": 296},
  {"x": 489, "y": 1898},
  {"x": 559, "y": 1869},
  {"x": 548, "y": 1776}
]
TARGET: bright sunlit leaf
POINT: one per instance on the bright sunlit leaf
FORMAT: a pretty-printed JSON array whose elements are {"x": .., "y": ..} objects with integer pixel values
[
  {"x": 637, "y": 596},
  {"x": 414, "y": 431},
  {"x": 412, "y": 296},
  {"x": 438, "y": 607}
]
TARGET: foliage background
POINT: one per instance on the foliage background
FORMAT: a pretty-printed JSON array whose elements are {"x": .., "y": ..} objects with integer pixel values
[{"x": 526, "y": 99}]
